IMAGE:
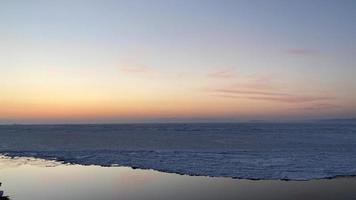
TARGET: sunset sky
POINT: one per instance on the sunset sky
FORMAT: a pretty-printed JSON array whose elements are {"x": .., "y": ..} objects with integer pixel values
[{"x": 136, "y": 61}]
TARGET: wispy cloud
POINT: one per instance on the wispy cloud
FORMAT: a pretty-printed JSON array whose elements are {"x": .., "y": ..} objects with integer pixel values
[
  {"x": 248, "y": 92},
  {"x": 300, "y": 51},
  {"x": 262, "y": 87},
  {"x": 256, "y": 82},
  {"x": 223, "y": 73},
  {"x": 267, "y": 96},
  {"x": 291, "y": 98}
]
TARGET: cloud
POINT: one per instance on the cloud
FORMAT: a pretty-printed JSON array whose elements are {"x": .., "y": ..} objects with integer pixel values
[
  {"x": 252, "y": 81},
  {"x": 267, "y": 96},
  {"x": 224, "y": 73},
  {"x": 253, "y": 92},
  {"x": 291, "y": 98},
  {"x": 300, "y": 51},
  {"x": 262, "y": 87}
]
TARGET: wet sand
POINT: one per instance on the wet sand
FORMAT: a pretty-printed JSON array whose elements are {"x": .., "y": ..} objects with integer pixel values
[{"x": 34, "y": 179}]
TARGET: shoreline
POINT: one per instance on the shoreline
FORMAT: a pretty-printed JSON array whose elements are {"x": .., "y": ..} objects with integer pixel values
[{"x": 62, "y": 162}]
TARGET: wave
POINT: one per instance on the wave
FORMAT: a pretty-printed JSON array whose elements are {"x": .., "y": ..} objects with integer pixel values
[{"x": 242, "y": 165}]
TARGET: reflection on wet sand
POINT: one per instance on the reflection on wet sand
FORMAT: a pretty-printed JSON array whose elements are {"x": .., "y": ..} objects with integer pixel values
[{"x": 36, "y": 179}]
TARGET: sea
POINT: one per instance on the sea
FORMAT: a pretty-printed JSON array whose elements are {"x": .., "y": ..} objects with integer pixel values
[{"x": 250, "y": 150}]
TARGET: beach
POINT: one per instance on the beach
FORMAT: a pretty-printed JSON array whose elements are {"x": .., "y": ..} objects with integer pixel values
[{"x": 37, "y": 179}]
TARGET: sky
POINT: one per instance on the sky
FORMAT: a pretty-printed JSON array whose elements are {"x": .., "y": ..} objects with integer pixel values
[{"x": 136, "y": 61}]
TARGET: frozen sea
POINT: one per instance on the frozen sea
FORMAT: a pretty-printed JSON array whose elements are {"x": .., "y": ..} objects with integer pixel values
[{"x": 290, "y": 151}]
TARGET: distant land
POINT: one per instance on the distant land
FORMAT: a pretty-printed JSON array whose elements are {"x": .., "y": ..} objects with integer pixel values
[{"x": 196, "y": 120}]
